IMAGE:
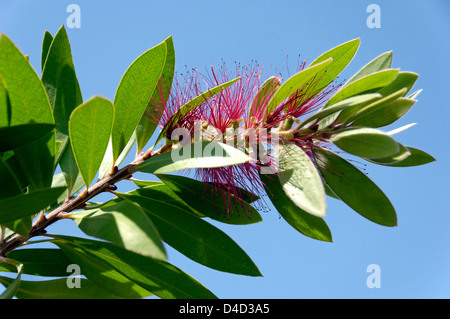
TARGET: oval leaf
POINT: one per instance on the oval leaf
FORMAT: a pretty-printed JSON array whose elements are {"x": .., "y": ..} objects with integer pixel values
[
  {"x": 23, "y": 205},
  {"x": 402, "y": 154},
  {"x": 300, "y": 180},
  {"x": 40, "y": 262},
  {"x": 133, "y": 94},
  {"x": 5, "y": 106},
  {"x": 125, "y": 225},
  {"x": 381, "y": 62},
  {"x": 403, "y": 80},
  {"x": 60, "y": 82},
  {"x": 416, "y": 158},
  {"x": 156, "y": 276},
  {"x": 146, "y": 127},
  {"x": 352, "y": 114},
  {"x": 341, "y": 55},
  {"x": 307, "y": 224},
  {"x": 195, "y": 155},
  {"x": 29, "y": 103},
  {"x": 63, "y": 91},
  {"x": 351, "y": 102},
  {"x": 195, "y": 238},
  {"x": 366, "y": 84},
  {"x": 46, "y": 42},
  {"x": 10, "y": 186},
  {"x": 385, "y": 114},
  {"x": 90, "y": 129},
  {"x": 354, "y": 188},
  {"x": 365, "y": 142},
  {"x": 212, "y": 204},
  {"x": 18, "y": 135},
  {"x": 58, "y": 289}
]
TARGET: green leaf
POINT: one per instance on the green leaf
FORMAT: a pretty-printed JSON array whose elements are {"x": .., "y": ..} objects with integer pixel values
[
  {"x": 70, "y": 171},
  {"x": 403, "y": 80},
  {"x": 414, "y": 95},
  {"x": 351, "y": 114},
  {"x": 58, "y": 289},
  {"x": 381, "y": 62},
  {"x": 195, "y": 155},
  {"x": 64, "y": 93},
  {"x": 195, "y": 238},
  {"x": 402, "y": 154},
  {"x": 300, "y": 180},
  {"x": 159, "y": 191},
  {"x": 133, "y": 94},
  {"x": 159, "y": 277},
  {"x": 341, "y": 55},
  {"x": 383, "y": 114},
  {"x": 416, "y": 158},
  {"x": 23, "y": 205},
  {"x": 354, "y": 188},
  {"x": 329, "y": 191},
  {"x": 367, "y": 84},
  {"x": 90, "y": 129},
  {"x": 29, "y": 103},
  {"x": 46, "y": 42},
  {"x": 5, "y": 105},
  {"x": 34, "y": 162},
  {"x": 298, "y": 81},
  {"x": 307, "y": 224},
  {"x": 146, "y": 126},
  {"x": 191, "y": 106},
  {"x": 40, "y": 262},
  {"x": 13, "y": 164},
  {"x": 142, "y": 183},
  {"x": 400, "y": 129},
  {"x": 61, "y": 83},
  {"x": 16, "y": 136},
  {"x": 14, "y": 285},
  {"x": 365, "y": 142},
  {"x": 351, "y": 102},
  {"x": 10, "y": 186},
  {"x": 54, "y": 263},
  {"x": 60, "y": 148},
  {"x": 124, "y": 224},
  {"x": 212, "y": 204},
  {"x": 104, "y": 275}
]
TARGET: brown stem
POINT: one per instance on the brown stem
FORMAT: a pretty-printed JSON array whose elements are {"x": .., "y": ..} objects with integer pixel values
[{"x": 106, "y": 184}]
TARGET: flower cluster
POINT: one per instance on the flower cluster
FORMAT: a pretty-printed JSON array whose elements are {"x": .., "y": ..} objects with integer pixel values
[
  {"x": 289, "y": 127},
  {"x": 240, "y": 114}
]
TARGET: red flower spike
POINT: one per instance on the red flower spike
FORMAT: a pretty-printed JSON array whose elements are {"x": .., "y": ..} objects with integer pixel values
[{"x": 237, "y": 116}]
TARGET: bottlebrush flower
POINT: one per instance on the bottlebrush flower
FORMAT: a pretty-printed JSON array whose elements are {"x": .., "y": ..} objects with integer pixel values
[
  {"x": 237, "y": 115},
  {"x": 182, "y": 91},
  {"x": 224, "y": 117}
]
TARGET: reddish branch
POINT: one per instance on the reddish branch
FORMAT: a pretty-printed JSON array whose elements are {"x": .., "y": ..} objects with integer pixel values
[{"x": 104, "y": 185}]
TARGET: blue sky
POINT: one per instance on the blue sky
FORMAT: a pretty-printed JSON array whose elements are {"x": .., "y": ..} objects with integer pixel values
[{"x": 414, "y": 257}]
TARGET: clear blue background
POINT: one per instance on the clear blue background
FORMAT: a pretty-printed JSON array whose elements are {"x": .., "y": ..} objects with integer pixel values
[{"x": 414, "y": 256}]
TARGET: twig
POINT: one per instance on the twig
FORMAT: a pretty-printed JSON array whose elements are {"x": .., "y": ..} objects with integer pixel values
[{"x": 106, "y": 184}]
